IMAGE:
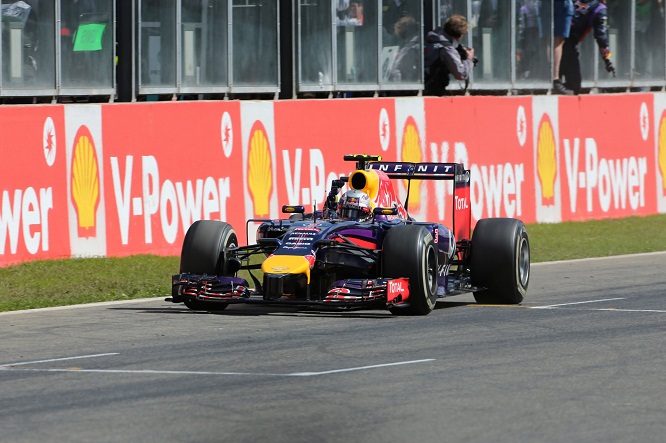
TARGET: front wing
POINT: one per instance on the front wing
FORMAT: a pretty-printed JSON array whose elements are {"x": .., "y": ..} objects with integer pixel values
[{"x": 382, "y": 293}]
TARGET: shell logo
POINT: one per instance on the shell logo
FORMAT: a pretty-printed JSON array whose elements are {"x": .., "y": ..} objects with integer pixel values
[
  {"x": 546, "y": 161},
  {"x": 85, "y": 182},
  {"x": 411, "y": 152},
  {"x": 661, "y": 150},
  {"x": 260, "y": 172}
]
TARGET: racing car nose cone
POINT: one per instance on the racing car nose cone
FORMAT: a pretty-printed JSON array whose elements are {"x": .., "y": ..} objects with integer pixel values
[{"x": 286, "y": 264}]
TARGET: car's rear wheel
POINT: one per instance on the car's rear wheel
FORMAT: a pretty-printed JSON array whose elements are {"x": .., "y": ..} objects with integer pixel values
[
  {"x": 205, "y": 252},
  {"x": 500, "y": 261},
  {"x": 410, "y": 251}
]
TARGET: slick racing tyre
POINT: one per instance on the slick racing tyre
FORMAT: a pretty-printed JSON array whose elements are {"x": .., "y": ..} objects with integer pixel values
[
  {"x": 500, "y": 261},
  {"x": 410, "y": 251},
  {"x": 205, "y": 252}
]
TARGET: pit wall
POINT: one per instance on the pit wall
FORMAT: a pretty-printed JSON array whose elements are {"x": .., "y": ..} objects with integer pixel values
[{"x": 121, "y": 179}]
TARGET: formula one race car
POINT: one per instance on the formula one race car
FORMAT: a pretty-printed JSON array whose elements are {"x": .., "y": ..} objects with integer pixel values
[{"x": 361, "y": 250}]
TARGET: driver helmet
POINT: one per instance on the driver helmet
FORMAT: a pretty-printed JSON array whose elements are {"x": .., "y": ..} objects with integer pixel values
[{"x": 354, "y": 205}]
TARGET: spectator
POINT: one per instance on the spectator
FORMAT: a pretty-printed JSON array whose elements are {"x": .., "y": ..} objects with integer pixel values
[
  {"x": 353, "y": 15},
  {"x": 494, "y": 22},
  {"x": 407, "y": 66},
  {"x": 356, "y": 12},
  {"x": 445, "y": 56},
  {"x": 530, "y": 57},
  {"x": 589, "y": 15},
  {"x": 563, "y": 12}
]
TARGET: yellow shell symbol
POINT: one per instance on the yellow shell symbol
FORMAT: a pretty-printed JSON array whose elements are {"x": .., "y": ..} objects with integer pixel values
[
  {"x": 85, "y": 182},
  {"x": 662, "y": 150},
  {"x": 260, "y": 174},
  {"x": 546, "y": 160},
  {"x": 411, "y": 152}
]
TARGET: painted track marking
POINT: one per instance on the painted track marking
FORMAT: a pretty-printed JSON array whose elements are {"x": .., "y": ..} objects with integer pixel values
[
  {"x": 158, "y": 372},
  {"x": 576, "y": 303},
  {"x": 51, "y": 360}
]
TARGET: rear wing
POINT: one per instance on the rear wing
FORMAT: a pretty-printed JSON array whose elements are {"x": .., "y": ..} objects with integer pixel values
[{"x": 456, "y": 172}]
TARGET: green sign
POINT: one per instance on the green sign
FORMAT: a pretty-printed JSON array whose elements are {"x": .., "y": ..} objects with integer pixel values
[{"x": 89, "y": 37}]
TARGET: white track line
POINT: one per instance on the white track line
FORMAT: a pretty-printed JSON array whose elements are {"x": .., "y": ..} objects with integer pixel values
[
  {"x": 157, "y": 372},
  {"x": 23, "y": 363},
  {"x": 84, "y": 305},
  {"x": 576, "y": 303},
  {"x": 359, "y": 368},
  {"x": 607, "y": 257}
]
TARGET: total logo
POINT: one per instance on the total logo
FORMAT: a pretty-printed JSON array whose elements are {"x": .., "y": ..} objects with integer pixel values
[{"x": 397, "y": 287}]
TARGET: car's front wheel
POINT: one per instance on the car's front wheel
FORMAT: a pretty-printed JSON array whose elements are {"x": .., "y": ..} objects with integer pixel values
[
  {"x": 410, "y": 251},
  {"x": 500, "y": 261},
  {"x": 205, "y": 252}
]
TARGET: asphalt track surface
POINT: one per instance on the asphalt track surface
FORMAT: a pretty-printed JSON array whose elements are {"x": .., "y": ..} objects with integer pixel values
[{"x": 581, "y": 360}]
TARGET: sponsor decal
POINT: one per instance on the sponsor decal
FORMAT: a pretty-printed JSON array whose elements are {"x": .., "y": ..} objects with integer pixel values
[
  {"x": 85, "y": 182},
  {"x": 227, "y": 135},
  {"x": 521, "y": 126},
  {"x": 260, "y": 172},
  {"x": 644, "y": 116},
  {"x": 384, "y": 130},
  {"x": 397, "y": 288},
  {"x": 546, "y": 161},
  {"x": 411, "y": 152},
  {"x": 172, "y": 203},
  {"x": 49, "y": 141},
  {"x": 618, "y": 182},
  {"x": 25, "y": 212},
  {"x": 661, "y": 152}
]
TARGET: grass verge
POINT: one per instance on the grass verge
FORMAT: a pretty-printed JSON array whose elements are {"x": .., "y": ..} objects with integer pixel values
[{"x": 49, "y": 283}]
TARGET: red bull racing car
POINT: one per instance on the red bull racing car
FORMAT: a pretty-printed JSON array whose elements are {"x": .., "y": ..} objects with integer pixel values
[{"x": 361, "y": 250}]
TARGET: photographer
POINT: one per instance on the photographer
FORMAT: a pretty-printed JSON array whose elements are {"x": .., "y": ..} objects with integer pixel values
[{"x": 444, "y": 56}]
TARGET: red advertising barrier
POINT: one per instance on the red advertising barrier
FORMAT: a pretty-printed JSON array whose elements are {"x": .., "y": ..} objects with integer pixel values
[
  {"x": 122, "y": 179},
  {"x": 168, "y": 165},
  {"x": 491, "y": 137},
  {"x": 606, "y": 157},
  {"x": 33, "y": 184}
]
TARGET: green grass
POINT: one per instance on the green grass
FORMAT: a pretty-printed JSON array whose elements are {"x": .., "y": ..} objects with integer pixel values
[
  {"x": 48, "y": 283},
  {"x": 597, "y": 238}
]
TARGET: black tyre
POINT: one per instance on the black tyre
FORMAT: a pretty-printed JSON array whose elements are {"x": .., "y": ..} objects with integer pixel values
[
  {"x": 205, "y": 246},
  {"x": 410, "y": 251},
  {"x": 205, "y": 252},
  {"x": 500, "y": 261}
]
